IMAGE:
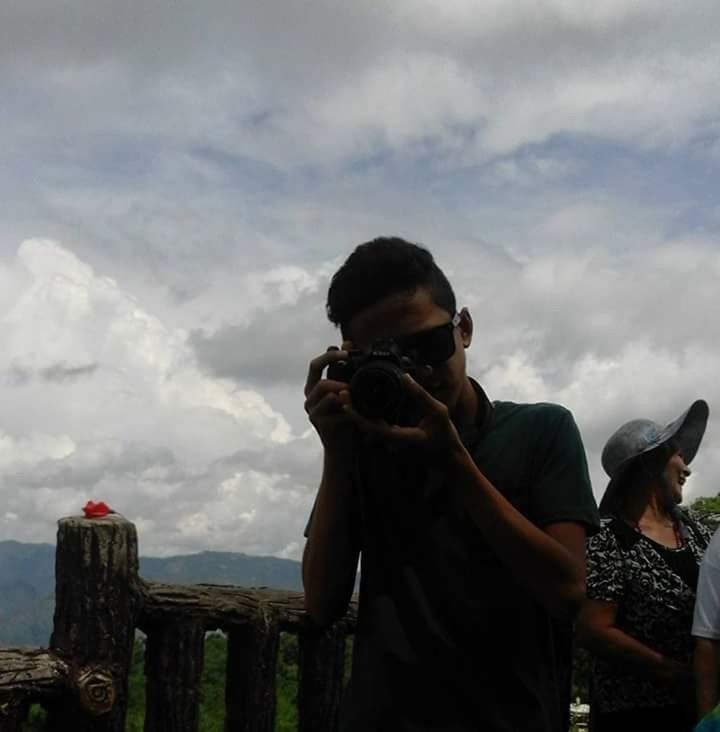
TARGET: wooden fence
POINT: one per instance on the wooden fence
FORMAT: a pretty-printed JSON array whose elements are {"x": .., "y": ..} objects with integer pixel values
[{"x": 100, "y": 600}]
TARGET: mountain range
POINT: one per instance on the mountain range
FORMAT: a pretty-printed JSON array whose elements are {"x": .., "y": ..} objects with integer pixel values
[{"x": 27, "y": 582}]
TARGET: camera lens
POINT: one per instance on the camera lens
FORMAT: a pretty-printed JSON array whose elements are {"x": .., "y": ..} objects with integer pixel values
[{"x": 377, "y": 390}]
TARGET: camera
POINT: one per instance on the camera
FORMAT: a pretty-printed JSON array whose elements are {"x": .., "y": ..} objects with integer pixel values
[{"x": 375, "y": 378}]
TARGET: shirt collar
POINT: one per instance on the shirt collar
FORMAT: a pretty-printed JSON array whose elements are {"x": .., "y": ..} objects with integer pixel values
[{"x": 472, "y": 435}]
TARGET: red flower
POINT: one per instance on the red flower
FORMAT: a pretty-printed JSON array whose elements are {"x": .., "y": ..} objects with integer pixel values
[{"x": 96, "y": 510}]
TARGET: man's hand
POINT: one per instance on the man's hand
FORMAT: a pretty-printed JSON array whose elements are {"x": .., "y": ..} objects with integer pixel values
[
  {"x": 435, "y": 431},
  {"x": 325, "y": 399}
]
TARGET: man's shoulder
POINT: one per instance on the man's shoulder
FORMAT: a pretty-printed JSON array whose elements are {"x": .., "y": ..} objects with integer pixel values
[
  {"x": 540, "y": 426},
  {"x": 712, "y": 554},
  {"x": 545, "y": 412}
]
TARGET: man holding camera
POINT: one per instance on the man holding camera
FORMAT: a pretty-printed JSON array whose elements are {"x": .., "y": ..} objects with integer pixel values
[{"x": 470, "y": 515}]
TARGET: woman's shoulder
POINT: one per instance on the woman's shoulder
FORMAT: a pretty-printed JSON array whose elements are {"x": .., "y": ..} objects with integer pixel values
[
  {"x": 605, "y": 564},
  {"x": 605, "y": 539},
  {"x": 694, "y": 515}
]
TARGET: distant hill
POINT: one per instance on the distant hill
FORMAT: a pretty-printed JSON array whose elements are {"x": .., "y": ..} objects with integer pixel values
[
  {"x": 230, "y": 568},
  {"x": 27, "y": 578},
  {"x": 27, "y": 582}
]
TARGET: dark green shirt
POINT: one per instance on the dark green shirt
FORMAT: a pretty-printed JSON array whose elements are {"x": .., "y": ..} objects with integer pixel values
[{"x": 447, "y": 639}]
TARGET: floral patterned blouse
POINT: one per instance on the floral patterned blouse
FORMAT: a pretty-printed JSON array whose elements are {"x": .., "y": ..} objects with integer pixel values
[{"x": 655, "y": 606}]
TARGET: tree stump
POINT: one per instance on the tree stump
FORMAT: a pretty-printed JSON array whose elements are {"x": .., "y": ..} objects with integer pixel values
[{"x": 96, "y": 600}]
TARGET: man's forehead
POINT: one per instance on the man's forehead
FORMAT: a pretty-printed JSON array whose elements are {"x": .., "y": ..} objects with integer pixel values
[{"x": 397, "y": 315}]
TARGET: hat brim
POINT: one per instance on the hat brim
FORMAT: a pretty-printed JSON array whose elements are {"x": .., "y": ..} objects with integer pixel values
[{"x": 687, "y": 430}]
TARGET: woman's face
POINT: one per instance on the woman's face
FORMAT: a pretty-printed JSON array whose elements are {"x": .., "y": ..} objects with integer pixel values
[{"x": 675, "y": 474}]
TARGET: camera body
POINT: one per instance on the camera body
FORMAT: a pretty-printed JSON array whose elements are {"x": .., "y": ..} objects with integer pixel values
[{"x": 375, "y": 378}]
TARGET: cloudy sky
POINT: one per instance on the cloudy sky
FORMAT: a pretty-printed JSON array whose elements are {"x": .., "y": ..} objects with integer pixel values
[{"x": 179, "y": 179}]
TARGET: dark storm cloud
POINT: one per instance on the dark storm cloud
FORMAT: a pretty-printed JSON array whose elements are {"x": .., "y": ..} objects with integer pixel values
[
  {"x": 275, "y": 347},
  {"x": 61, "y": 372},
  {"x": 92, "y": 463},
  {"x": 56, "y": 373}
]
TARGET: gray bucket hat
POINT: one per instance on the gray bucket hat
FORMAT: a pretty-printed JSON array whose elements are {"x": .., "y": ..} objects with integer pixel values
[{"x": 639, "y": 436}]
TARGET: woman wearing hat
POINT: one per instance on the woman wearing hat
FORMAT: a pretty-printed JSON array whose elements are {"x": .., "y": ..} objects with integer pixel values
[{"x": 642, "y": 570}]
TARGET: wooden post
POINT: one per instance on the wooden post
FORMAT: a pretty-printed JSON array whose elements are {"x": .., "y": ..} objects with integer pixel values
[
  {"x": 96, "y": 601},
  {"x": 13, "y": 713},
  {"x": 250, "y": 682},
  {"x": 321, "y": 667},
  {"x": 27, "y": 675},
  {"x": 173, "y": 677}
]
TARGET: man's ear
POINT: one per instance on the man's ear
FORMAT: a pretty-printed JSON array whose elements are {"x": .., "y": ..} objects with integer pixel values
[{"x": 466, "y": 327}]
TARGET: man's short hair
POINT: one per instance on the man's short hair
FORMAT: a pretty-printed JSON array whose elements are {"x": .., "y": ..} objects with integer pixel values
[{"x": 380, "y": 268}]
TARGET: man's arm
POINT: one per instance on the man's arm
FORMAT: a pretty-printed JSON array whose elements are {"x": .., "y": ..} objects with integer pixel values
[
  {"x": 549, "y": 562},
  {"x": 706, "y": 629},
  {"x": 707, "y": 679},
  {"x": 331, "y": 553}
]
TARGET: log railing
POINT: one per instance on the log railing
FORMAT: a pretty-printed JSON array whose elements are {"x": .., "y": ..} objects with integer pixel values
[{"x": 82, "y": 679}]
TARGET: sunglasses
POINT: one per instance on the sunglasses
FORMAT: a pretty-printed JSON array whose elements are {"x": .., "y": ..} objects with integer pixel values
[{"x": 433, "y": 346}]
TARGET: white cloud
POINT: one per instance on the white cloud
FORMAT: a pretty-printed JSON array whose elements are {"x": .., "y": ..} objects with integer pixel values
[
  {"x": 32, "y": 448},
  {"x": 613, "y": 334},
  {"x": 78, "y": 317},
  {"x": 638, "y": 381},
  {"x": 466, "y": 80},
  {"x": 144, "y": 425},
  {"x": 207, "y": 170}
]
